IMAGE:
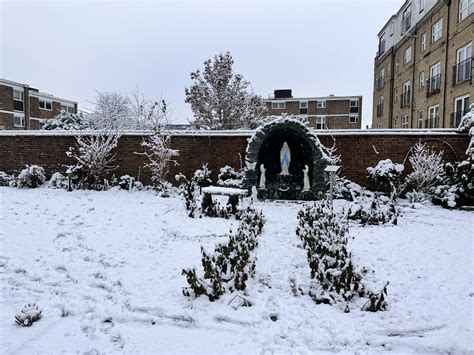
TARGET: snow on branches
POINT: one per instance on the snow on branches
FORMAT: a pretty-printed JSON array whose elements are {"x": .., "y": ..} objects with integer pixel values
[
  {"x": 220, "y": 99},
  {"x": 386, "y": 174},
  {"x": 427, "y": 167},
  {"x": 66, "y": 121}
]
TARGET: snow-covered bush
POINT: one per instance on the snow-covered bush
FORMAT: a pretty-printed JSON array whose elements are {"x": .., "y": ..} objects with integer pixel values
[
  {"x": 427, "y": 167},
  {"x": 94, "y": 153},
  {"x": 66, "y": 121},
  {"x": 456, "y": 187},
  {"x": 28, "y": 315},
  {"x": 58, "y": 181},
  {"x": 127, "y": 182},
  {"x": 190, "y": 191},
  {"x": 373, "y": 210},
  {"x": 386, "y": 174},
  {"x": 202, "y": 176},
  {"x": 231, "y": 265},
  {"x": 32, "y": 176},
  {"x": 228, "y": 177},
  {"x": 347, "y": 189},
  {"x": 160, "y": 156},
  {"x": 467, "y": 125},
  {"x": 415, "y": 198},
  {"x": 5, "y": 179},
  {"x": 325, "y": 235}
]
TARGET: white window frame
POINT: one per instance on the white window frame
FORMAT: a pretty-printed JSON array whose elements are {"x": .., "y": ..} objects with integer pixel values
[
  {"x": 434, "y": 109},
  {"x": 44, "y": 106},
  {"x": 353, "y": 119},
  {"x": 380, "y": 125},
  {"x": 437, "y": 30},
  {"x": 423, "y": 42},
  {"x": 321, "y": 103},
  {"x": 21, "y": 95},
  {"x": 421, "y": 5},
  {"x": 356, "y": 103},
  {"x": 405, "y": 121},
  {"x": 278, "y": 105},
  {"x": 420, "y": 119},
  {"x": 462, "y": 99},
  {"x": 322, "y": 122},
  {"x": 407, "y": 55},
  {"x": 421, "y": 78},
  {"x": 466, "y": 7},
  {"x": 22, "y": 120},
  {"x": 382, "y": 78},
  {"x": 391, "y": 28},
  {"x": 395, "y": 96},
  {"x": 467, "y": 49},
  {"x": 397, "y": 64},
  {"x": 404, "y": 15},
  {"x": 68, "y": 109},
  {"x": 435, "y": 69}
]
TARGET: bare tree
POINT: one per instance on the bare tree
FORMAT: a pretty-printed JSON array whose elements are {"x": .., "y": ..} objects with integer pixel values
[{"x": 427, "y": 167}]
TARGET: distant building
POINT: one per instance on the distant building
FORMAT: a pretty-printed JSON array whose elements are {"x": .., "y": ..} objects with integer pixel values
[
  {"x": 23, "y": 107},
  {"x": 328, "y": 112},
  {"x": 423, "y": 67}
]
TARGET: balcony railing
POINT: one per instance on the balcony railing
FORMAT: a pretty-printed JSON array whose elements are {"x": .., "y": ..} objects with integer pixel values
[
  {"x": 457, "y": 116},
  {"x": 379, "y": 110},
  {"x": 380, "y": 83},
  {"x": 462, "y": 71},
  {"x": 433, "y": 85},
  {"x": 432, "y": 122},
  {"x": 405, "y": 99}
]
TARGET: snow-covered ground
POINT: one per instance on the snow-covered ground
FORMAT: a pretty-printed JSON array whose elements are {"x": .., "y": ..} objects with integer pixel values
[{"x": 105, "y": 267}]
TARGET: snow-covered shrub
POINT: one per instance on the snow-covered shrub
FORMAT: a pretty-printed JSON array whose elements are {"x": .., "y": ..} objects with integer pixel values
[
  {"x": 127, "y": 182},
  {"x": 347, "y": 189},
  {"x": 32, "y": 176},
  {"x": 467, "y": 125},
  {"x": 325, "y": 236},
  {"x": 190, "y": 191},
  {"x": 228, "y": 177},
  {"x": 456, "y": 187},
  {"x": 377, "y": 301},
  {"x": 374, "y": 210},
  {"x": 427, "y": 167},
  {"x": 160, "y": 156},
  {"x": 5, "y": 179},
  {"x": 58, "y": 181},
  {"x": 415, "y": 198},
  {"x": 231, "y": 265},
  {"x": 94, "y": 153},
  {"x": 386, "y": 174},
  {"x": 66, "y": 121},
  {"x": 202, "y": 176},
  {"x": 28, "y": 315}
]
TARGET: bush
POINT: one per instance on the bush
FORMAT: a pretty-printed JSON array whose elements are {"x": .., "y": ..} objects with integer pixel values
[
  {"x": 5, "y": 179},
  {"x": 374, "y": 210},
  {"x": 28, "y": 315},
  {"x": 228, "y": 177},
  {"x": 386, "y": 174},
  {"x": 189, "y": 190},
  {"x": 32, "y": 176},
  {"x": 427, "y": 168},
  {"x": 58, "y": 181},
  {"x": 456, "y": 187},
  {"x": 231, "y": 265}
]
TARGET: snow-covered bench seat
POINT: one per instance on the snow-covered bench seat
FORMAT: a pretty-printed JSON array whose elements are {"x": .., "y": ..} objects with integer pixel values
[{"x": 233, "y": 194}]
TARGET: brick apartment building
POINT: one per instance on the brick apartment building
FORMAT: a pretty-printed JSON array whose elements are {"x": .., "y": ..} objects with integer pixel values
[
  {"x": 423, "y": 68},
  {"x": 23, "y": 107},
  {"x": 330, "y": 112}
]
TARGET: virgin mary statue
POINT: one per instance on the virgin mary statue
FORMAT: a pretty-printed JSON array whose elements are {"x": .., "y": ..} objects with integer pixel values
[{"x": 285, "y": 159}]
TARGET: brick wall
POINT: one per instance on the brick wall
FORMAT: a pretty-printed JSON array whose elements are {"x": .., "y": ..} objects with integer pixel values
[{"x": 358, "y": 151}]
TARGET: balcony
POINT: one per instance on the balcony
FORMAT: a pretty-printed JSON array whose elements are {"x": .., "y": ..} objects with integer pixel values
[
  {"x": 380, "y": 110},
  {"x": 405, "y": 99},
  {"x": 457, "y": 116},
  {"x": 432, "y": 122},
  {"x": 462, "y": 71},
  {"x": 380, "y": 83},
  {"x": 433, "y": 85}
]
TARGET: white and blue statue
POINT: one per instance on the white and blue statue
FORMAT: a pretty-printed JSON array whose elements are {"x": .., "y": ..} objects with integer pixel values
[{"x": 285, "y": 159}]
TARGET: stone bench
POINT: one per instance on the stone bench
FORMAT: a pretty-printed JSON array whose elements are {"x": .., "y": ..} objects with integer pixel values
[{"x": 233, "y": 194}]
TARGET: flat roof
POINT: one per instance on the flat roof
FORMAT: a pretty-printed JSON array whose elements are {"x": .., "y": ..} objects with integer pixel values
[{"x": 314, "y": 98}]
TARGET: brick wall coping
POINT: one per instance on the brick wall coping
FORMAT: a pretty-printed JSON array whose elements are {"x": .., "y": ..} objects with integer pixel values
[{"x": 247, "y": 133}]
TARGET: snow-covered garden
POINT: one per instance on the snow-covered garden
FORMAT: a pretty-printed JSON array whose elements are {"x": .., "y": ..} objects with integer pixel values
[{"x": 105, "y": 268}]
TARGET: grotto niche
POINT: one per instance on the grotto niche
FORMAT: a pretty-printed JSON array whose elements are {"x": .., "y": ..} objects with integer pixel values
[{"x": 285, "y": 160}]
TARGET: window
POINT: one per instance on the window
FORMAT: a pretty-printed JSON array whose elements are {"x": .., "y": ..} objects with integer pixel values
[
  {"x": 423, "y": 42},
  {"x": 381, "y": 81},
  {"x": 320, "y": 104},
  {"x": 461, "y": 107},
  {"x": 405, "y": 121},
  {"x": 395, "y": 122},
  {"x": 395, "y": 96},
  {"x": 45, "y": 105},
  {"x": 421, "y": 5},
  {"x": 463, "y": 67},
  {"x": 433, "y": 116},
  {"x": 466, "y": 7},
  {"x": 434, "y": 82},
  {"x": 422, "y": 80},
  {"x": 405, "y": 94},
  {"x": 397, "y": 64},
  {"x": 390, "y": 29},
  {"x": 420, "y": 119},
  {"x": 407, "y": 56},
  {"x": 382, "y": 44},
  {"x": 406, "y": 19},
  {"x": 18, "y": 120},
  {"x": 353, "y": 119},
  {"x": 354, "y": 106},
  {"x": 18, "y": 100},
  {"x": 380, "y": 107},
  {"x": 380, "y": 125},
  {"x": 68, "y": 109},
  {"x": 437, "y": 30},
  {"x": 320, "y": 122},
  {"x": 278, "y": 105}
]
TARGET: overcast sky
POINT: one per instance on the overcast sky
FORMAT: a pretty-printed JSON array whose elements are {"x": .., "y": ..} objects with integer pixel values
[{"x": 70, "y": 48}]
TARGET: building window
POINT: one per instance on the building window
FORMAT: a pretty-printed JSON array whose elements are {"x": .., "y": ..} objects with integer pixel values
[
  {"x": 321, "y": 104},
  {"x": 395, "y": 96},
  {"x": 423, "y": 42},
  {"x": 406, "y": 19},
  {"x": 382, "y": 44},
  {"x": 433, "y": 117},
  {"x": 303, "y": 107},
  {"x": 422, "y": 80},
  {"x": 67, "y": 109},
  {"x": 397, "y": 64},
  {"x": 405, "y": 121},
  {"x": 381, "y": 80},
  {"x": 407, "y": 56},
  {"x": 45, "y": 105},
  {"x": 278, "y": 105},
  {"x": 390, "y": 29},
  {"x": 405, "y": 99},
  {"x": 420, "y": 119},
  {"x": 320, "y": 122},
  {"x": 466, "y": 7},
  {"x": 421, "y": 5},
  {"x": 380, "y": 125},
  {"x": 461, "y": 107},
  {"x": 18, "y": 100},
  {"x": 380, "y": 107},
  {"x": 434, "y": 82},
  {"x": 353, "y": 119},
  {"x": 437, "y": 30},
  {"x": 463, "y": 67},
  {"x": 354, "y": 106},
  {"x": 19, "y": 120}
]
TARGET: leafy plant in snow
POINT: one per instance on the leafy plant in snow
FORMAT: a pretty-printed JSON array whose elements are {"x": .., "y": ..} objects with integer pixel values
[
  {"x": 203, "y": 176},
  {"x": 231, "y": 265},
  {"x": 66, "y": 121},
  {"x": 456, "y": 187},
  {"x": 386, "y": 174},
  {"x": 189, "y": 189},
  {"x": 58, "y": 181},
  {"x": 427, "y": 167},
  {"x": 373, "y": 210},
  {"x": 5, "y": 179},
  {"x": 228, "y": 177},
  {"x": 28, "y": 315},
  {"x": 32, "y": 176}
]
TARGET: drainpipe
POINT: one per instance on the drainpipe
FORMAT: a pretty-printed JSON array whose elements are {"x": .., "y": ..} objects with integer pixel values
[
  {"x": 392, "y": 76},
  {"x": 446, "y": 47},
  {"x": 415, "y": 46}
]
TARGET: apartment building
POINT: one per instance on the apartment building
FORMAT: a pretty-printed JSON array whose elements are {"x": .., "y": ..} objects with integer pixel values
[
  {"x": 23, "y": 107},
  {"x": 423, "y": 67},
  {"x": 330, "y": 112}
]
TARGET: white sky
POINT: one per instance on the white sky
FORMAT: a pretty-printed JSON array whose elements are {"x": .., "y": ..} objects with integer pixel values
[{"x": 70, "y": 48}]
